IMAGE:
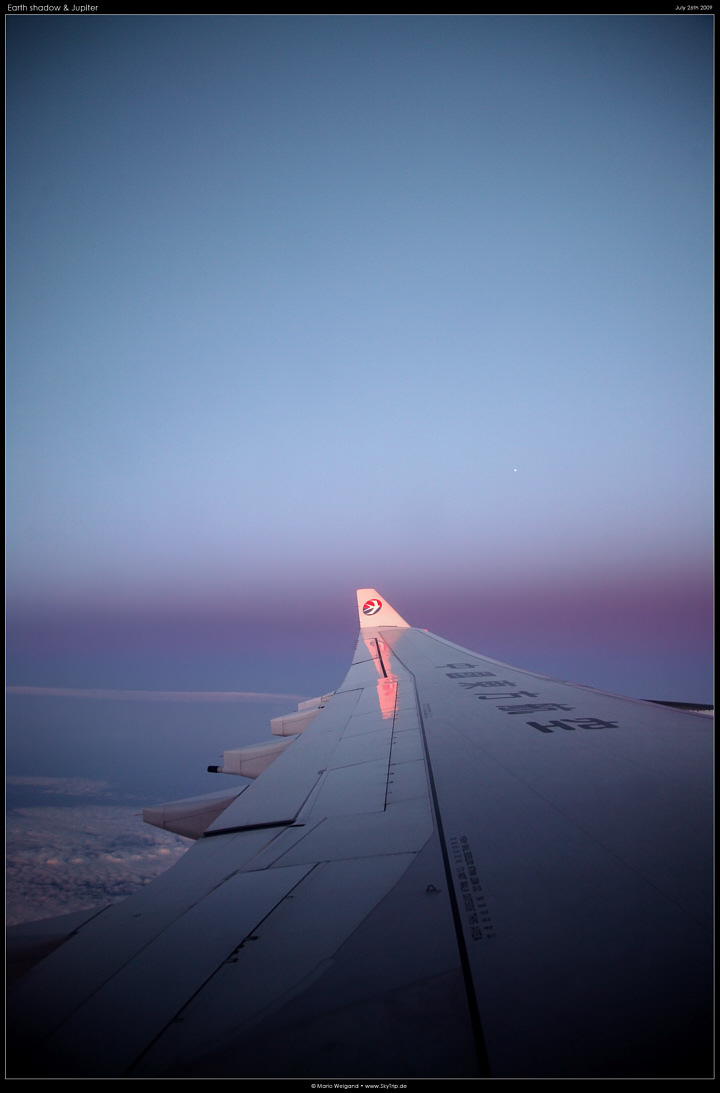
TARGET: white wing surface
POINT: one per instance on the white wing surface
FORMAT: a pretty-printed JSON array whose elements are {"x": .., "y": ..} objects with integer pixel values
[{"x": 456, "y": 869}]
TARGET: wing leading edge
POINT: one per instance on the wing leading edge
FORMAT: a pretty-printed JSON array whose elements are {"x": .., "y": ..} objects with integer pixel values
[{"x": 456, "y": 869}]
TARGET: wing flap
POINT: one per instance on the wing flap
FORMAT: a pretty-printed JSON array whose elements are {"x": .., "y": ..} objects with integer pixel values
[
  {"x": 287, "y": 784},
  {"x": 207, "y": 935},
  {"x": 291, "y": 948}
]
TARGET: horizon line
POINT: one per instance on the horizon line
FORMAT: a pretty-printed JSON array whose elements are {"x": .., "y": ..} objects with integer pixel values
[{"x": 153, "y": 696}]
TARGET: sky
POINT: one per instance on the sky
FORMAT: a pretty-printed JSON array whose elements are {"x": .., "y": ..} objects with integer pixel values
[{"x": 297, "y": 305}]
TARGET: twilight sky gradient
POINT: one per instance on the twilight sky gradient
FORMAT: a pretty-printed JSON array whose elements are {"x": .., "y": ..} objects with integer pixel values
[{"x": 300, "y": 305}]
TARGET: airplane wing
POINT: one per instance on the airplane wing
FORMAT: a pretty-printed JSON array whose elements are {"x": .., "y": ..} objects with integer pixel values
[{"x": 452, "y": 868}]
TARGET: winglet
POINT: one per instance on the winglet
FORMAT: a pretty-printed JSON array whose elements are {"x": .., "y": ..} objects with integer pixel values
[{"x": 374, "y": 611}]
